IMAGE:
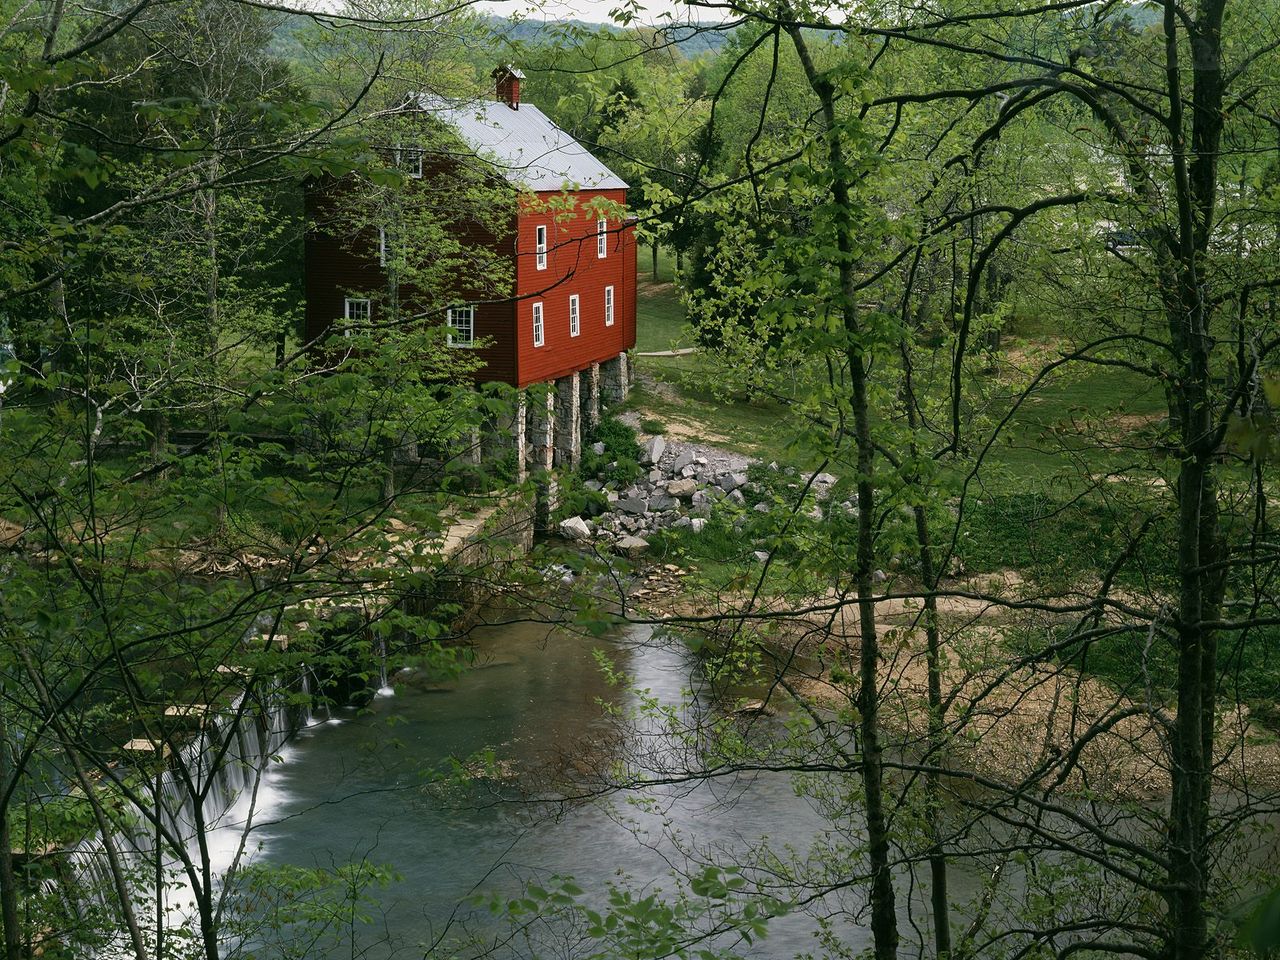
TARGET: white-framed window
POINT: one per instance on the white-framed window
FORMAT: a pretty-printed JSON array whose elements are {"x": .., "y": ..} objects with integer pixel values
[
  {"x": 573, "y": 315},
  {"x": 409, "y": 160},
  {"x": 356, "y": 311},
  {"x": 539, "y": 334},
  {"x": 384, "y": 246},
  {"x": 540, "y": 246},
  {"x": 602, "y": 238},
  {"x": 608, "y": 306},
  {"x": 462, "y": 325}
]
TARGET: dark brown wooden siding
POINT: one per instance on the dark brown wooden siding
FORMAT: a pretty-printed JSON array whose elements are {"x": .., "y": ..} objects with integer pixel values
[
  {"x": 339, "y": 265},
  {"x": 335, "y": 268}
]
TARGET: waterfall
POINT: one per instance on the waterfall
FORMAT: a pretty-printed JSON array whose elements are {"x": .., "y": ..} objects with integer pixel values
[
  {"x": 314, "y": 712},
  {"x": 384, "y": 686},
  {"x": 247, "y": 735},
  {"x": 308, "y": 698}
]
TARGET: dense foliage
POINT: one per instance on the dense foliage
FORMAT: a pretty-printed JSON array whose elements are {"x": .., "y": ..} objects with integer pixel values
[{"x": 1009, "y": 273}]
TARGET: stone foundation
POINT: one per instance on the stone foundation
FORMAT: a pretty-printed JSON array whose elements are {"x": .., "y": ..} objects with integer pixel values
[
  {"x": 550, "y": 420},
  {"x": 615, "y": 379},
  {"x": 568, "y": 412},
  {"x": 589, "y": 394},
  {"x": 506, "y": 434},
  {"x": 542, "y": 428}
]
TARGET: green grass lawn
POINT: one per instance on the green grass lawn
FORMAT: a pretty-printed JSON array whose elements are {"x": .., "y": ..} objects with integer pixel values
[
  {"x": 659, "y": 312},
  {"x": 1052, "y": 437}
]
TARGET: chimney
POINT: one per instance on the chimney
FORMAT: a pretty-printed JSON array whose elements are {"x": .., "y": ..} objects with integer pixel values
[{"x": 508, "y": 82}]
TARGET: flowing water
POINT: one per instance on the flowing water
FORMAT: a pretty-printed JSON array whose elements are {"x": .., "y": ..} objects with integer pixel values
[
  {"x": 354, "y": 786},
  {"x": 354, "y": 790}
]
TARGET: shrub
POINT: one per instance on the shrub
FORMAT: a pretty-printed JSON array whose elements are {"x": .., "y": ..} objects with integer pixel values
[{"x": 620, "y": 448}]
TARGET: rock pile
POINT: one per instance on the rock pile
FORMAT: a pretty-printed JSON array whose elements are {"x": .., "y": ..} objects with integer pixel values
[{"x": 683, "y": 483}]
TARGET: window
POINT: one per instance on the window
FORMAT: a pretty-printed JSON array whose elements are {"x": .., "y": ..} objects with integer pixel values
[
  {"x": 608, "y": 306},
  {"x": 538, "y": 338},
  {"x": 356, "y": 313},
  {"x": 462, "y": 325},
  {"x": 541, "y": 247},
  {"x": 409, "y": 159},
  {"x": 602, "y": 238},
  {"x": 573, "y": 315}
]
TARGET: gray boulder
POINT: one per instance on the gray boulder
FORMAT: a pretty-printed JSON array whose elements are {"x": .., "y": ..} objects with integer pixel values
[
  {"x": 697, "y": 523},
  {"x": 653, "y": 450},
  {"x": 683, "y": 460},
  {"x": 575, "y": 528},
  {"x": 631, "y": 546},
  {"x": 598, "y": 448},
  {"x": 684, "y": 489},
  {"x": 633, "y": 505},
  {"x": 732, "y": 481}
]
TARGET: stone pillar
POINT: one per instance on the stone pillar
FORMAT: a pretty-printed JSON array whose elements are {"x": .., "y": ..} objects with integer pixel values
[
  {"x": 589, "y": 387},
  {"x": 519, "y": 438},
  {"x": 472, "y": 454},
  {"x": 542, "y": 451},
  {"x": 568, "y": 421},
  {"x": 614, "y": 380},
  {"x": 505, "y": 434},
  {"x": 542, "y": 428}
]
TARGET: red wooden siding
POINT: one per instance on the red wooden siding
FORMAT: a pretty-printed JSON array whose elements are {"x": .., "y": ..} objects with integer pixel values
[
  {"x": 338, "y": 266},
  {"x": 573, "y": 267}
]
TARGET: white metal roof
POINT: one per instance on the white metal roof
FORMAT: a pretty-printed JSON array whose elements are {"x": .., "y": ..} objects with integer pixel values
[{"x": 524, "y": 145}]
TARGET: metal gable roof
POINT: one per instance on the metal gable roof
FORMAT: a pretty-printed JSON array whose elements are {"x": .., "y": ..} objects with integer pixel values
[{"x": 524, "y": 145}]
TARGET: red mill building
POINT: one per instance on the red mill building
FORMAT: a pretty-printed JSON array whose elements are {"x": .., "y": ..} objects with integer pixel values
[{"x": 572, "y": 317}]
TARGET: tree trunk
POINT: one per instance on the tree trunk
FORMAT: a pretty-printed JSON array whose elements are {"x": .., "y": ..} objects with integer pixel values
[
  {"x": 106, "y": 829},
  {"x": 929, "y": 575},
  {"x": 1201, "y": 580},
  {"x": 8, "y": 878},
  {"x": 938, "y": 888},
  {"x": 884, "y": 917},
  {"x": 159, "y": 434},
  {"x": 654, "y": 249}
]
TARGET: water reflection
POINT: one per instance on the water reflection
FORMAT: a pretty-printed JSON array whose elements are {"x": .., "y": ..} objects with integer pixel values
[{"x": 357, "y": 791}]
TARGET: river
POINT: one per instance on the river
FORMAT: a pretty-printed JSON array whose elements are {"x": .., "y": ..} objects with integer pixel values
[{"x": 354, "y": 790}]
